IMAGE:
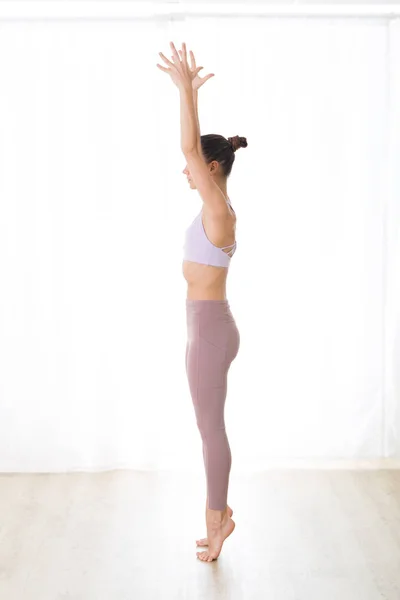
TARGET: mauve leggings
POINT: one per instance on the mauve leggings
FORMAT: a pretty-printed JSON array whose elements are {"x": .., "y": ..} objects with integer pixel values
[{"x": 212, "y": 344}]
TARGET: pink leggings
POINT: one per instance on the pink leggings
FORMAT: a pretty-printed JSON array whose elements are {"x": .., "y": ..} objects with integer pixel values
[{"x": 212, "y": 344}]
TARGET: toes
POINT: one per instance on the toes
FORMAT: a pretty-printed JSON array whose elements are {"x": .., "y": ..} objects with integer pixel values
[{"x": 205, "y": 556}]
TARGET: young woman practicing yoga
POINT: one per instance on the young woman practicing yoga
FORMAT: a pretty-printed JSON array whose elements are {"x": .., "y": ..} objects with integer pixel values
[{"x": 213, "y": 338}]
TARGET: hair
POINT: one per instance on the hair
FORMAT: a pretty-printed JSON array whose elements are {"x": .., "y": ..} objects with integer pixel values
[{"x": 216, "y": 147}]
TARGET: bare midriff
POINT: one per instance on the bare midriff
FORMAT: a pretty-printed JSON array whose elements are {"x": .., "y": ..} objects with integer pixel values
[{"x": 206, "y": 282}]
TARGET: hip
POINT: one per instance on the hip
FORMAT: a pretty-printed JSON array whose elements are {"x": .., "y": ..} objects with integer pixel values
[{"x": 212, "y": 323}]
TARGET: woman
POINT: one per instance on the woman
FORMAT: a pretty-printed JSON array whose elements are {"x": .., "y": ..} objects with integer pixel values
[{"x": 213, "y": 337}]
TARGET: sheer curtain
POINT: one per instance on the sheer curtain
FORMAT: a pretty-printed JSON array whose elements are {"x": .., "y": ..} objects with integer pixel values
[{"x": 92, "y": 216}]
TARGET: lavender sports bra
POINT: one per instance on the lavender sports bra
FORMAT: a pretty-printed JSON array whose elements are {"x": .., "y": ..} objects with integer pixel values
[{"x": 199, "y": 249}]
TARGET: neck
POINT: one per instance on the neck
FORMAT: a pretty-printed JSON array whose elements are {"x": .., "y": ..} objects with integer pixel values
[{"x": 222, "y": 187}]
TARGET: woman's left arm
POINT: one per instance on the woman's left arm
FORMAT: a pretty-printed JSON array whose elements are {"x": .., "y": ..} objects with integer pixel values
[{"x": 190, "y": 133}]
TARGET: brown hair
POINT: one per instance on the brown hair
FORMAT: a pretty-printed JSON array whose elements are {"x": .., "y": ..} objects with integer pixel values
[
  {"x": 237, "y": 142},
  {"x": 217, "y": 147}
]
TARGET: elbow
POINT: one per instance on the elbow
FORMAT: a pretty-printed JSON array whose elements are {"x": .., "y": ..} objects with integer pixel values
[{"x": 190, "y": 150}]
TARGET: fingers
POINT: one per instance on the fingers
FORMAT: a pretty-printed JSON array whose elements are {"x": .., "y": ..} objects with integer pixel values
[
  {"x": 175, "y": 53},
  {"x": 179, "y": 55},
  {"x": 166, "y": 59},
  {"x": 192, "y": 61},
  {"x": 206, "y": 78},
  {"x": 184, "y": 52},
  {"x": 163, "y": 68}
]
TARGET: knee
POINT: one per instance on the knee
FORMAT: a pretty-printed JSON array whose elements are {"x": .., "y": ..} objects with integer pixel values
[{"x": 209, "y": 430}]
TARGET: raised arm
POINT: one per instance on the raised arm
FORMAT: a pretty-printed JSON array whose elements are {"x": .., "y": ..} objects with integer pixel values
[
  {"x": 184, "y": 78},
  {"x": 196, "y": 110}
]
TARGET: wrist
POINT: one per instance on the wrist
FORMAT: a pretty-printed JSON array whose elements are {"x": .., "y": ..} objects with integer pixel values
[{"x": 185, "y": 89}]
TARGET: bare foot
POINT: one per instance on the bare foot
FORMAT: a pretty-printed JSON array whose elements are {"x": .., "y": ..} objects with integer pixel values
[
  {"x": 217, "y": 534},
  {"x": 204, "y": 541}
]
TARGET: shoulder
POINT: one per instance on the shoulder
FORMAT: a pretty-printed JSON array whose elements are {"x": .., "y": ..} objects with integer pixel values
[
  {"x": 227, "y": 216},
  {"x": 219, "y": 225}
]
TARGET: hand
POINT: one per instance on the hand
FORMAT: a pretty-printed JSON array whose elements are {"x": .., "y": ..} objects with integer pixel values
[
  {"x": 183, "y": 76},
  {"x": 197, "y": 82}
]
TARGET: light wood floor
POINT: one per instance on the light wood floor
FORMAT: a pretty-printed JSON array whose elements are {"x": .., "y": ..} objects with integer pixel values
[{"x": 300, "y": 535}]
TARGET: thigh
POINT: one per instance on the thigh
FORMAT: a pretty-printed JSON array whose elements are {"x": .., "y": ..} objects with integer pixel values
[
  {"x": 207, "y": 376},
  {"x": 206, "y": 365}
]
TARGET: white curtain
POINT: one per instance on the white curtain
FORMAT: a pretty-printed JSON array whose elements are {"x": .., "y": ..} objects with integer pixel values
[{"x": 92, "y": 216}]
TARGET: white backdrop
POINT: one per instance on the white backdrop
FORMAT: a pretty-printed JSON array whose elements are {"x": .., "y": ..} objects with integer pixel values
[{"x": 92, "y": 216}]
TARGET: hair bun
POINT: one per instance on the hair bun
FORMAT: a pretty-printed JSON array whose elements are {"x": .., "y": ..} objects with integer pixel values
[{"x": 237, "y": 142}]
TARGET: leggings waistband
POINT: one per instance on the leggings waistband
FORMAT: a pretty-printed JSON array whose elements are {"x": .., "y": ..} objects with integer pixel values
[
  {"x": 197, "y": 306},
  {"x": 191, "y": 301}
]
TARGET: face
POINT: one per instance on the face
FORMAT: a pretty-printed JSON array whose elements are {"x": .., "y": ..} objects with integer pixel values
[{"x": 189, "y": 178}]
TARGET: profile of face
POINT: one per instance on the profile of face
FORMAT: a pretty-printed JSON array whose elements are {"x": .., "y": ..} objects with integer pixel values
[
  {"x": 213, "y": 170},
  {"x": 189, "y": 178}
]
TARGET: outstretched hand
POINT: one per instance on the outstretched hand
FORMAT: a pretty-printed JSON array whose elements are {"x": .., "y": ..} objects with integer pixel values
[
  {"x": 197, "y": 82},
  {"x": 181, "y": 74}
]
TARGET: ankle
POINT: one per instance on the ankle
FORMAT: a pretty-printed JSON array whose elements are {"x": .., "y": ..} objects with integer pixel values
[{"x": 217, "y": 516}]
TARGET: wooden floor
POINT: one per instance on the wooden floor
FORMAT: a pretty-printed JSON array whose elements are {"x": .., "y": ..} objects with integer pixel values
[{"x": 300, "y": 535}]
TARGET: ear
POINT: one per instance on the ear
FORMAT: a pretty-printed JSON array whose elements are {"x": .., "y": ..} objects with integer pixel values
[{"x": 213, "y": 166}]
